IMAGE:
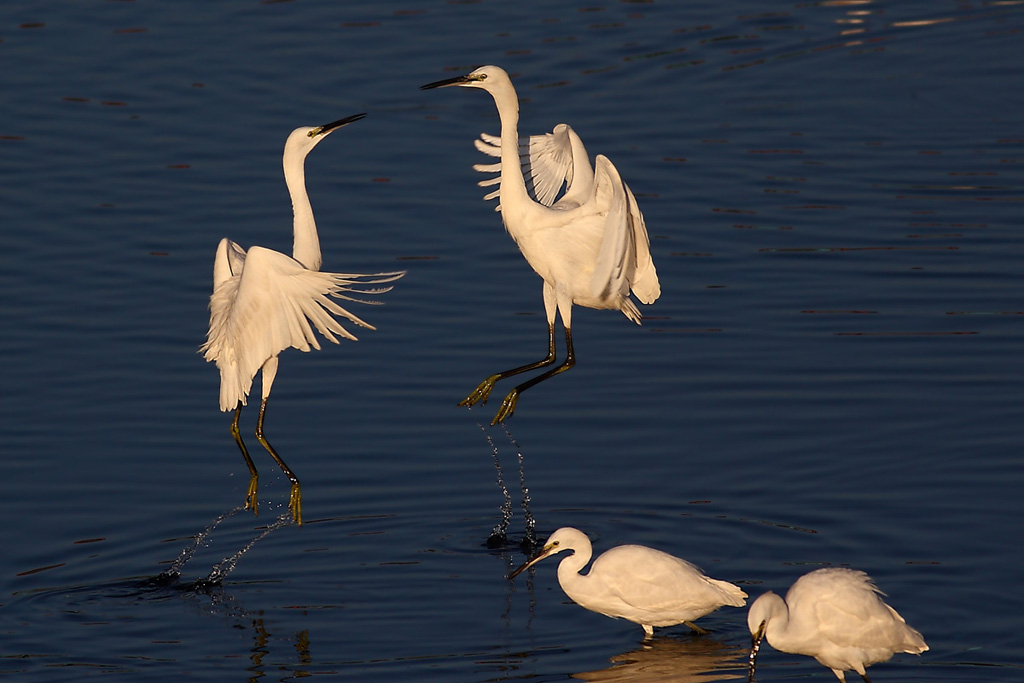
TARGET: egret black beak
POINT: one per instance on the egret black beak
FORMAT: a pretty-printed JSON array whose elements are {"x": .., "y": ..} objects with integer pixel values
[
  {"x": 545, "y": 551},
  {"x": 458, "y": 80},
  {"x": 334, "y": 125},
  {"x": 755, "y": 647}
]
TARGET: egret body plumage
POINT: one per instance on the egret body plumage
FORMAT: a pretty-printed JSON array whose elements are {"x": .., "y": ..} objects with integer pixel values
[
  {"x": 835, "y": 615},
  {"x": 264, "y": 302},
  {"x": 636, "y": 583},
  {"x": 590, "y": 249}
]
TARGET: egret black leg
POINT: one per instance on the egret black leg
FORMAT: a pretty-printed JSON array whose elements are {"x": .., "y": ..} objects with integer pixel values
[
  {"x": 254, "y": 476},
  {"x": 696, "y": 629},
  {"x": 481, "y": 393},
  {"x": 295, "y": 499},
  {"x": 508, "y": 406}
]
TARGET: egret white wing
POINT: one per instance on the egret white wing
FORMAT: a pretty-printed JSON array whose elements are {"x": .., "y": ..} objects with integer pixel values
[
  {"x": 851, "y": 613},
  {"x": 616, "y": 256},
  {"x": 230, "y": 260},
  {"x": 644, "y": 281},
  {"x": 274, "y": 304},
  {"x": 549, "y": 164},
  {"x": 651, "y": 581},
  {"x": 546, "y": 162}
]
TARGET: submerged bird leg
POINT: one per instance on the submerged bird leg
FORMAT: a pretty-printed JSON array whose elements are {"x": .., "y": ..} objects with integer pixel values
[
  {"x": 254, "y": 476},
  {"x": 696, "y": 629},
  {"x": 508, "y": 406},
  {"x": 481, "y": 393},
  {"x": 295, "y": 499}
]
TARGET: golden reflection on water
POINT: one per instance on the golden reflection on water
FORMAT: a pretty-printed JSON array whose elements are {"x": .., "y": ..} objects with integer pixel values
[{"x": 697, "y": 658}]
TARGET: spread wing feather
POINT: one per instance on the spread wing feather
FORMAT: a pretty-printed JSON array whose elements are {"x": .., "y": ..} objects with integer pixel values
[
  {"x": 546, "y": 161},
  {"x": 270, "y": 302}
]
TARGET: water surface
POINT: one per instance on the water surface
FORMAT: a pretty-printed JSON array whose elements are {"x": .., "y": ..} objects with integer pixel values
[{"x": 831, "y": 376}]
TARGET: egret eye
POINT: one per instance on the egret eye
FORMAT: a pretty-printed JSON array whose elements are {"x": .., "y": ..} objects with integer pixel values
[{"x": 482, "y": 77}]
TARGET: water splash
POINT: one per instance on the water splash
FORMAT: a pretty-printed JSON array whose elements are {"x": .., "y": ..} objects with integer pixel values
[
  {"x": 173, "y": 572},
  {"x": 227, "y": 565},
  {"x": 530, "y": 539},
  {"x": 499, "y": 534}
]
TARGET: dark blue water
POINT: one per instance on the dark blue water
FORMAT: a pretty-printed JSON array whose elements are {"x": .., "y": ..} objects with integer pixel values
[{"x": 832, "y": 375}]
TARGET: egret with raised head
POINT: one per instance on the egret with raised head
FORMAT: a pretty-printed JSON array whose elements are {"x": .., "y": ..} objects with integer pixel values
[
  {"x": 590, "y": 250},
  {"x": 633, "y": 582},
  {"x": 264, "y": 302},
  {"x": 555, "y": 166},
  {"x": 835, "y": 615}
]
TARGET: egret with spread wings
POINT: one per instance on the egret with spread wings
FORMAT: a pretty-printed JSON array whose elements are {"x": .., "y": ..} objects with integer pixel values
[
  {"x": 264, "y": 302},
  {"x": 590, "y": 246}
]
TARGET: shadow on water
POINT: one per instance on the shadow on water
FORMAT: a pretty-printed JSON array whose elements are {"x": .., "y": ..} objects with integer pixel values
[
  {"x": 499, "y": 535},
  {"x": 689, "y": 658}
]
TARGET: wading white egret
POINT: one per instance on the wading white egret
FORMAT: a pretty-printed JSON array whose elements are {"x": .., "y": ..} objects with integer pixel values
[
  {"x": 835, "y": 615},
  {"x": 264, "y": 302},
  {"x": 590, "y": 250},
  {"x": 636, "y": 583}
]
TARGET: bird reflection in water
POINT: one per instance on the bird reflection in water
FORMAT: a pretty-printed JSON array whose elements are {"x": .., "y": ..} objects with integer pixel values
[
  {"x": 672, "y": 659},
  {"x": 217, "y": 602}
]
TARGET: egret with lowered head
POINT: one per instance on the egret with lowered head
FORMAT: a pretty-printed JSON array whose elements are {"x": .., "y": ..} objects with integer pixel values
[
  {"x": 264, "y": 302},
  {"x": 835, "y": 615},
  {"x": 636, "y": 583},
  {"x": 591, "y": 251}
]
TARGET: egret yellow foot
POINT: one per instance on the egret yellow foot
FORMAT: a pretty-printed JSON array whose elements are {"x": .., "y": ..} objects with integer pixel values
[
  {"x": 508, "y": 406},
  {"x": 480, "y": 394},
  {"x": 250, "y": 497},
  {"x": 295, "y": 503}
]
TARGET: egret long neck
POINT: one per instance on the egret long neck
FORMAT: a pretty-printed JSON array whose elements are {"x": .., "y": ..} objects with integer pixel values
[
  {"x": 778, "y": 631},
  {"x": 569, "y": 578},
  {"x": 306, "y": 245},
  {"x": 512, "y": 192}
]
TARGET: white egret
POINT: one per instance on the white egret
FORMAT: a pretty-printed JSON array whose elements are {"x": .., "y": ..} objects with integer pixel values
[
  {"x": 636, "y": 583},
  {"x": 263, "y": 302},
  {"x": 590, "y": 250},
  {"x": 836, "y": 616}
]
